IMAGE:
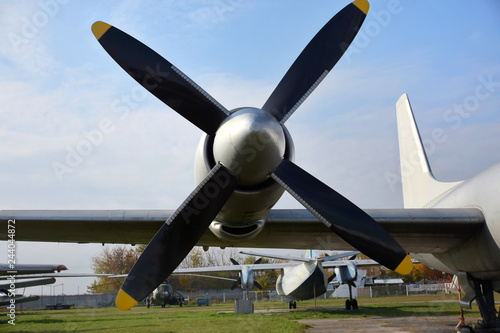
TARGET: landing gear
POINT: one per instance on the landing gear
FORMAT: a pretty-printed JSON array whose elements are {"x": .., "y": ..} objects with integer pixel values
[
  {"x": 292, "y": 305},
  {"x": 482, "y": 291},
  {"x": 348, "y": 305},
  {"x": 351, "y": 303}
]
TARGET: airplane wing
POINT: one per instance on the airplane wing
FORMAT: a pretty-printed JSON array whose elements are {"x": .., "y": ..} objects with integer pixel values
[
  {"x": 55, "y": 275},
  {"x": 25, "y": 284},
  {"x": 358, "y": 262},
  {"x": 232, "y": 268},
  {"x": 302, "y": 259},
  {"x": 4, "y": 301},
  {"x": 267, "y": 267},
  {"x": 425, "y": 230},
  {"x": 6, "y": 269}
]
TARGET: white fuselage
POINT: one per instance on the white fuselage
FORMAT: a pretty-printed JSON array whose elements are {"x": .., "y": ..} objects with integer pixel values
[
  {"x": 304, "y": 281},
  {"x": 480, "y": 255}
]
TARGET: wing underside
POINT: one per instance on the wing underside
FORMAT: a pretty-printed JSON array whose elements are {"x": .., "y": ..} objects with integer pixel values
[{"x": 423, "y": 230}]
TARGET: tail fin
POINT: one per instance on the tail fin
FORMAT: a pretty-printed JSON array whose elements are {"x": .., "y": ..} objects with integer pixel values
[
  {"x": 420, "y": 188},
  {"x": 311, "y": 254}
]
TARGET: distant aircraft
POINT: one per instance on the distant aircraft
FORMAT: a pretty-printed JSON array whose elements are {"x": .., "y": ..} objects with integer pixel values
[
  {"x": 309, "y": 280},
  {"x": 244, "y": 163},
  {"x": 11, "y": 273},
  {"x": 39, "y": 274},
  {"x": 164, "y": 295},
  {"x": 296, "y": 282}
]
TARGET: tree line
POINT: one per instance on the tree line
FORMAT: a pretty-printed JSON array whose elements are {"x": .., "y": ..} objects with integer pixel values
[{"x": 120, "y": 260}]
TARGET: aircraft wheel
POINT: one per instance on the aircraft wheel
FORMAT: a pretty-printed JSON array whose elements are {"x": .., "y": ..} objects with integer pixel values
[
  {"x": 355, "y": 304},
  {"x": 348, "y": 304},
  {"x": 290, "y": 305},
  {"x": 294, "y": 304}
]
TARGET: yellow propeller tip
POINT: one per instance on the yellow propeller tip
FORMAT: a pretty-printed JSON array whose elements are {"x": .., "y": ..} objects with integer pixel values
[
  {"x": 124, "y": 301},
  {"x": 405, "y": 267},
  {"x": 363, "y": 5},
  {"x": 99, "y": 28}
]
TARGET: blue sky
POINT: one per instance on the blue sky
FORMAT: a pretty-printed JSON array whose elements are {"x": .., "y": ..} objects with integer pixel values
[{"x": 57, "y": 84}]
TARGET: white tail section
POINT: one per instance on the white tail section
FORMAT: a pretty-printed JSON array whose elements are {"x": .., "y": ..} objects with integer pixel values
[
  {"x": 311, "y": 254},
  {"x": 420, "y": 188}
]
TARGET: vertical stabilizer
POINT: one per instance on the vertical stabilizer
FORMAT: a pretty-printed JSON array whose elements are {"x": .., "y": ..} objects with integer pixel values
[
  {"x": 420, "y": 187},
  {"x": 311, "y": 254}
]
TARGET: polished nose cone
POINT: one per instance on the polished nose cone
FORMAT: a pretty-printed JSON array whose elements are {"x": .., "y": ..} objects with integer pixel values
[{"x": 251, "y": 143}]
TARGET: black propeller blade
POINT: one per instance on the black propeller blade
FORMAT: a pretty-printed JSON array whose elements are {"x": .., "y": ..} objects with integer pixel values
[
  {"x": 316, "y": 60},
  {"x": 177, "y": 237},
  {"x": 161, "y": 78},
  {"x": 257, "y": 285},
  {"x": 236, "y": 284},
  {"x": 343, "y": 217}
]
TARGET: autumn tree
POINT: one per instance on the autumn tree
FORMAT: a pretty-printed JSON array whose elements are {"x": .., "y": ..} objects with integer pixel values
[{"x": 114, "y": 260}]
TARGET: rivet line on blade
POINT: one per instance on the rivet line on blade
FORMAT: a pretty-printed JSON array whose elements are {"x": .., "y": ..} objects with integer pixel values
[
  {"x": 200, "y": 89},
  {"x": 303, "y": 98},
  {"x": 299, "y": 199},
  {"x": 195, "y": 191}
]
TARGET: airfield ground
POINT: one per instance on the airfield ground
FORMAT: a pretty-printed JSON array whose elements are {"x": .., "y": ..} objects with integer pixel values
[{"x": 422, "y": 313}]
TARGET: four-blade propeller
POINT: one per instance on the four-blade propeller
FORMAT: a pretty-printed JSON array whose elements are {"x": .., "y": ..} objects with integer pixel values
[{"x": 183, "y": 230}]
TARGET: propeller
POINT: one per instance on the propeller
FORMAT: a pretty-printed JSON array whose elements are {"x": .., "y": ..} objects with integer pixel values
[
  {"x": 238, "y": 281},
  {"x": 185, "y": 227}
]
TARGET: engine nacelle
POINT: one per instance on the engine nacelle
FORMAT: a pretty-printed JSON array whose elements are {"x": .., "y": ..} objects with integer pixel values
[
  {"x": 348, "y": 273},
  {"x": 244, "y": 214},
  {"x": 301, "y": 282}
]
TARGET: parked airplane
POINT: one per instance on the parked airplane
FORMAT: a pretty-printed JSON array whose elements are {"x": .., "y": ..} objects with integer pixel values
[
  {"x": 11, "y": 273},
  {"x": 39, "y": 274},
  {"x": 309, "y": 279},
  {"x": 304, "y": 281},
  {"x": 244, "y": 163},
  {"x": 164, "y": 295}
]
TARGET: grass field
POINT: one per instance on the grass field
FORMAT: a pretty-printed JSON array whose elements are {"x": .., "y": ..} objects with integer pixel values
[{"x": 268, "y": 316}]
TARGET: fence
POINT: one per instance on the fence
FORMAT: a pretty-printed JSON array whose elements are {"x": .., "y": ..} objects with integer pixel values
[
  {"x": 226, "y": 295},
  {"x": 409, "y": 289},
  {"x": 78, "y": 301}
]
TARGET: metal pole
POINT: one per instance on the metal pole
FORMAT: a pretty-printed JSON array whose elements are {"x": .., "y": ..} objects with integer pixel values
[{"x": 314, "y": 286}]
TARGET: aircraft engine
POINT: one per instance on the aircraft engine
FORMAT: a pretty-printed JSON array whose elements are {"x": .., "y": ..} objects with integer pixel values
[
  {"x": 346, "y": 274},
  {"x": 245, "y": 158},
  {"x": 302, "y": 282},
  {"x": 244, "y": 214}
]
